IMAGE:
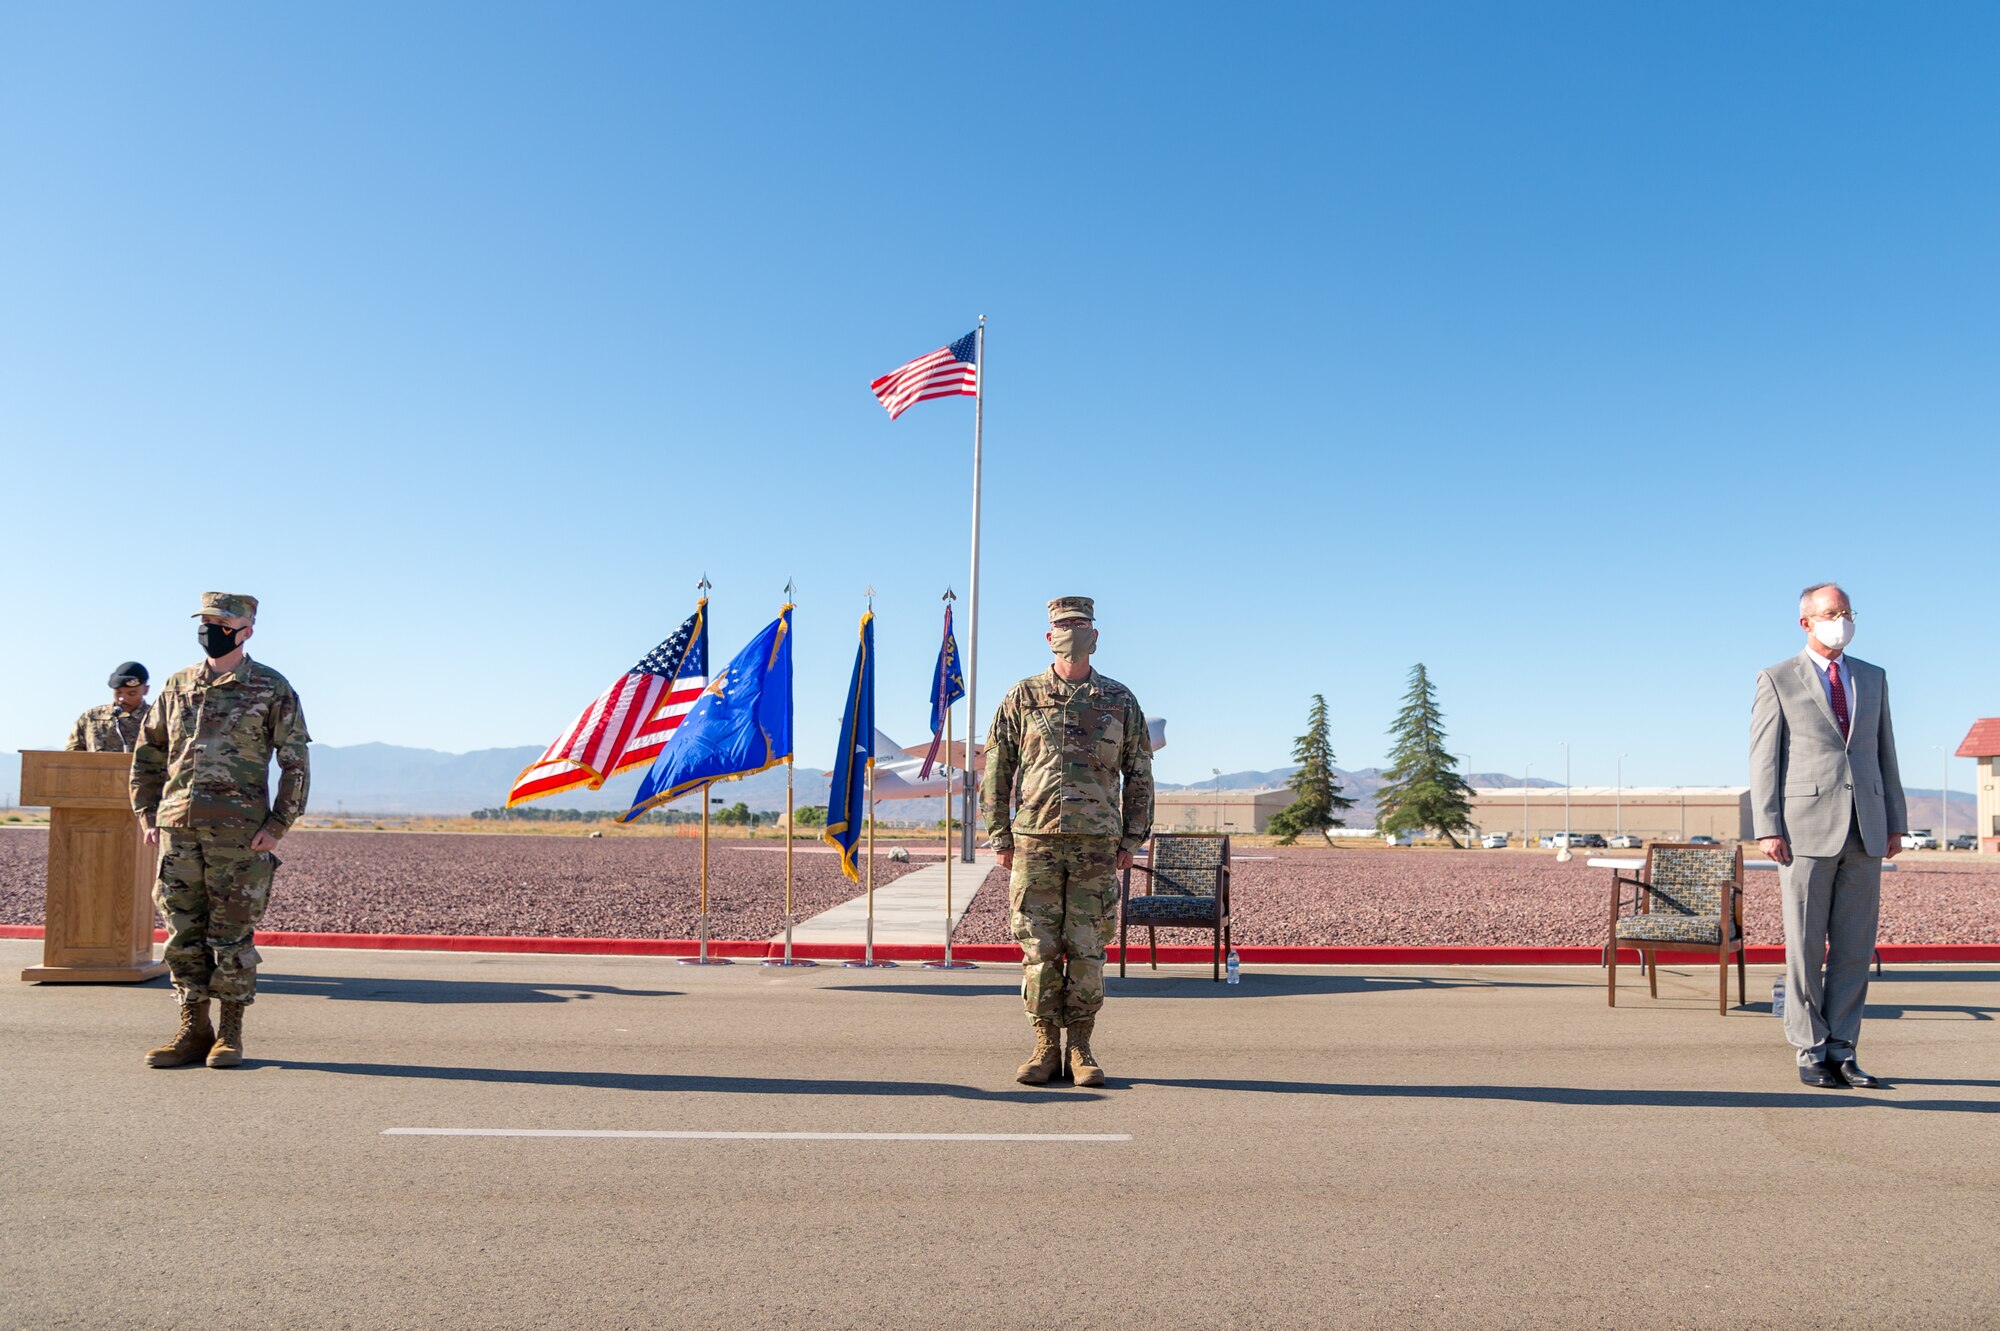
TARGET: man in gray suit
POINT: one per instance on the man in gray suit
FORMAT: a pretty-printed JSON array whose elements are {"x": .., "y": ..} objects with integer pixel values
[{"x": 1826, "y": 802}]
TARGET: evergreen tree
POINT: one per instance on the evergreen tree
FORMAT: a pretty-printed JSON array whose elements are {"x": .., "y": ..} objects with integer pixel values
[
  {"x": 1422, "y": 788},
  {"x": 1318, "y": 789}
]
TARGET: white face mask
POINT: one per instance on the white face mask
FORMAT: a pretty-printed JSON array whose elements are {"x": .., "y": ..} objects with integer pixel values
[{"x": 1833, "y": 634}]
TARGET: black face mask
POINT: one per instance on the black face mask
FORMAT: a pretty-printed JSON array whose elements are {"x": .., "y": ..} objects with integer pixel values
[{"x": 218, "y": 640}]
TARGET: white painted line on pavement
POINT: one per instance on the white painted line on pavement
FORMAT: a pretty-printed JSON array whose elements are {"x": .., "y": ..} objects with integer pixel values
[{"x": 768, "y": 1136}]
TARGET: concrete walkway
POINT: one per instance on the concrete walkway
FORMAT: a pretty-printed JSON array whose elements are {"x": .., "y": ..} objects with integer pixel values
[{"x": 909, "y": 910}]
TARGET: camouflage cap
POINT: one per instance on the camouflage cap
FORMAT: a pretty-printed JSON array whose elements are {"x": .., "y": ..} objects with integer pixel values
[
  {"x": 226, "y": 605},
  {"x": 1072, "y": 607},
  {"x": 131, "y": 672}
]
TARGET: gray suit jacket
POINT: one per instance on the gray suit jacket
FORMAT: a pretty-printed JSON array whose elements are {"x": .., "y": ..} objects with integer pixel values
[{"x": 1805, "y": 784}]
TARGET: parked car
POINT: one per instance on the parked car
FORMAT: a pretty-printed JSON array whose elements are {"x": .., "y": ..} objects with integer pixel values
[
  {"x": 1561, "y": 840},
  {"x": 1703, "y": 841},
  {"x": 1626, "y": 841},
  {"x": 1400, "y": 838},
  {"x": 1919, "y": 838},
  {"x": 1493, "y": 841},
  {"x": 1964, "y": 841},
  {"x": 1593, "y": 840}
]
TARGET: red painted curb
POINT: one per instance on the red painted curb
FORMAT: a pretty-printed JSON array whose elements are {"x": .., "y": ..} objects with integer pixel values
[{"x": 737, "y": 948}]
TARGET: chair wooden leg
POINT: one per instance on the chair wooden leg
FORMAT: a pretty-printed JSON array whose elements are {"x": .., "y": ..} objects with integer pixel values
[
  {"x": 1652, "y": 971},
  {"x": 1122, "y": 927},
  {"x": 1722, "y": 984},
  {"x": 1742, "y": 995},
  {"x": 1611, "y": 976},
  {"x": 1152, "y": 947},
  {"x": 1215, "y": 966}
]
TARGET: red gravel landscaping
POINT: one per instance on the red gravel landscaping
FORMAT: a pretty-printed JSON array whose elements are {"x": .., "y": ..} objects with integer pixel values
[
  {"x": 524, "y": 886},
  {"x": 630, "y": 887},
  {"x": 1420, "y": 898}
]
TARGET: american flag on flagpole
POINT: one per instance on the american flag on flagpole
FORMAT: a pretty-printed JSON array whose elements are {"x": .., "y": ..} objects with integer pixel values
[
  {"x": 630, "y": 723},
  {"x": 950, "y": 371}
]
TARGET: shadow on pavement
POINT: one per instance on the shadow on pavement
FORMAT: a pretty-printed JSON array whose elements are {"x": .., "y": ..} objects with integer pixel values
[
  {"x": 1193, "y": 986},
  {"x": 1588, "y": 1096},
  {"x": 378, "y": 990},
  {"x": 666, "y": 1081},
  {"x": 1873, "y": 1012},
  {"x": 1921, "y": 1011}
]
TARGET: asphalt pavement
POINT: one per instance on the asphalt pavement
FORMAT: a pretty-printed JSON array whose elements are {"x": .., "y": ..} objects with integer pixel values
[{"x": 1330, "y": 1147}]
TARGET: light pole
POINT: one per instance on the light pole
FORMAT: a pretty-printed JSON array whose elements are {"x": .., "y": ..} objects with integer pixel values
[
  {"x": 1565, "y": 745},
  {"x": 1563, "y": 854},
  {"x": 1218, "y": 797},
  {"x": 1620, "y": 797},
  {"x": 1944, "y": 800},
  {"x": 1530, "y": 771},
  {"x": 1466, "y": 758}
]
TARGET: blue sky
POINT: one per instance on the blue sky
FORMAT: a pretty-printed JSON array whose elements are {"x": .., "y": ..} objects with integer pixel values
[{"x": 1555, "y": 346}]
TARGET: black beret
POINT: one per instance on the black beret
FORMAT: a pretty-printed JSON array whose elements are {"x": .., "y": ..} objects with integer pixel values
[{"x": 129, "y": 673}]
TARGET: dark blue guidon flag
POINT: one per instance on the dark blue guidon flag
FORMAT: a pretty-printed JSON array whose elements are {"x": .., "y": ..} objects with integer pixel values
[
  {"x": 741, "y": 724},
  {"x": 847, "y": 801},
  {"x": 947, "y": 687}
]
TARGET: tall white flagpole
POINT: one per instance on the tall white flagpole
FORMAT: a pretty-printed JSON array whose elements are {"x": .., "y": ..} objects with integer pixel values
[{"x": 972, "y": 633}]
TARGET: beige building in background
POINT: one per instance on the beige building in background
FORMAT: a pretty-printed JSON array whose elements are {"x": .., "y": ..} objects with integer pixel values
[
  {"x": 1238, "y": 811},
  {"x": 1657, "y": 813}
]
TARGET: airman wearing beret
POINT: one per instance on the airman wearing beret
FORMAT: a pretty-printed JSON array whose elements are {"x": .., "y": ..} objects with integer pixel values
[
  {"x": 113, "y": 727},
  {"x": 201, "y": 788},
  {"x": 1069, "y": 798}
]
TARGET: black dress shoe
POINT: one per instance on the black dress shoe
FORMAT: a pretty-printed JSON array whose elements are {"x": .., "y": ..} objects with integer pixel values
[
  {"x": 1820, "y": 1074},
  {"x": 1851, "y": 1073}
]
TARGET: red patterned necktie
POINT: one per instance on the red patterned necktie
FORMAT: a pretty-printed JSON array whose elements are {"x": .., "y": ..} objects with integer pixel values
[{"x": 1839, "y": 696}]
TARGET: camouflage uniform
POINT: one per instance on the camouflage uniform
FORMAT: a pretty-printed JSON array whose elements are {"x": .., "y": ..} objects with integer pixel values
[
  {"x": 106, "y": 729},
  {"x": 1066, "y": 748},
  {"x": 201, "y": 775}
]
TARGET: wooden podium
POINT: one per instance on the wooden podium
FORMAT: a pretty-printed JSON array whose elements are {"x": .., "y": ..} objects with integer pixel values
[{"x": 98, "y": 920}]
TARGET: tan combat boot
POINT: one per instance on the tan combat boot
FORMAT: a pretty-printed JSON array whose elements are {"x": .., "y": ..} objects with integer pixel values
[
  {"x": 228, "y": 1049},
  {"x": 190, "y": 1042},
  {"x": 1083, "y": 1067},
  {"x": 1047, "y": 1058}
]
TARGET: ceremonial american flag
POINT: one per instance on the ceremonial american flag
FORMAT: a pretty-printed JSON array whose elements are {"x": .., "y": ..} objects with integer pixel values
[
  {"x": 630, "y": 722},
  {"x": 951, "y": 371}
]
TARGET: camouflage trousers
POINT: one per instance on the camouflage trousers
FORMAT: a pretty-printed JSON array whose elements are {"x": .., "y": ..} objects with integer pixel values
[
  {"x": 212, "y": 892},
  {"x": 1064, "y": 903}
]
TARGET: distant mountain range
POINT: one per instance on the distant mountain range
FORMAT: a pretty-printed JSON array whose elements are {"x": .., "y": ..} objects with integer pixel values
[
  {"x": 364, "y": 779},
  {"x": 374, "y": 779}
]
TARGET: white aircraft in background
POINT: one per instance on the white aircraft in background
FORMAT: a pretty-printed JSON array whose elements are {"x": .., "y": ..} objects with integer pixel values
[{"x": 897, "y": 767}]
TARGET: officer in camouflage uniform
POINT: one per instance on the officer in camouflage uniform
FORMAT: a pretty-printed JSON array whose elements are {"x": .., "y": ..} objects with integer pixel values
[
  {"x": 113, "y": 727},
  {"x": 1064, "y": 742},
  {"x": 200, "y": 782}
]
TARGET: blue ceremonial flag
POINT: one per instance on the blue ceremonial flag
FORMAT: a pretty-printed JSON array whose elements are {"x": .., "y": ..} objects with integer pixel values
[
  {"x": 741, "y": 724},
  {"x": 947, "y": 687},
  {"x": 847, "y": 801}
]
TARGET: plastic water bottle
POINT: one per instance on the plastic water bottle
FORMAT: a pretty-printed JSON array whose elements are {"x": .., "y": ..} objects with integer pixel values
[
  {"x": 1778, "y": 997},
  {"x": 1235, "y": 968}
]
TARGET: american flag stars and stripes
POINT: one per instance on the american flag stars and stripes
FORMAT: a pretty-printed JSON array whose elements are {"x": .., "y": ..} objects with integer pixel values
[
  {"x": 630, "y": 723},
  {"x": 950, "y": 371}
]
